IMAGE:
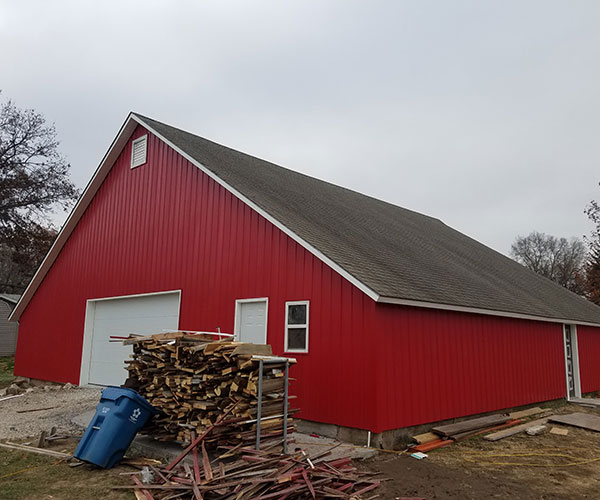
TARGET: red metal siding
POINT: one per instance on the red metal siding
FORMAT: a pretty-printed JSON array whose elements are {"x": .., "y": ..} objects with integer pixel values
[
  {"x": 166, "y": 225},
  {"x": 588, "y": 342},
  {"x": 435, "y": 365}
]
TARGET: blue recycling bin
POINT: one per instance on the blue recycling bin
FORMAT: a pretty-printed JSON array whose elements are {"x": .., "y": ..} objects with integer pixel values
[{"x": 120, "y": 414}]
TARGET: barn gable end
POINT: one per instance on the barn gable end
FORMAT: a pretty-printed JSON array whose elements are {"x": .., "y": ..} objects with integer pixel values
[{"x": 166, "y": 225}]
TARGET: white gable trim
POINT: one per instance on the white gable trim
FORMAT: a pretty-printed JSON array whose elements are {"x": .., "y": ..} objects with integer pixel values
[
  {"x": 84, "y": 200},
  {"x": 101, "y": 173}
]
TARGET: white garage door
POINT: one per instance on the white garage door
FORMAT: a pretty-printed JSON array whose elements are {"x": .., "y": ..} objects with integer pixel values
[{"x": 140, "y": 314}]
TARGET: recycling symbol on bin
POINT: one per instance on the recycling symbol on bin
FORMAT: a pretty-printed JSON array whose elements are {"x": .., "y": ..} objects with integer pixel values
[{"x": 136, "y": 413}]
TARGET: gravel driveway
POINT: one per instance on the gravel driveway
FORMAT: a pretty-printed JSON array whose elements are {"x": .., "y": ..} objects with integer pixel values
[{"x": 64, "y": 403}]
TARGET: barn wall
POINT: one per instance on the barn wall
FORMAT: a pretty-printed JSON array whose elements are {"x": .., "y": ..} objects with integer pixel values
[
  {"x": 588, "y": 340},
  {"x": 166, "y": 225},
  {"x": 436, "y": 365}
]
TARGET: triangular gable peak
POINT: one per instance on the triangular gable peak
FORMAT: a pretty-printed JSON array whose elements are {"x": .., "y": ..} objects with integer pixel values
[
  {"x": 98, "y": 178},
  {"x": 391, "y": 279}
]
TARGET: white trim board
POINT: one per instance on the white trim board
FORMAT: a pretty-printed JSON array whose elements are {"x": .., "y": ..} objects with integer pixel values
[
  {"x": 575, "y": 356},
  {"x": 238, "y": 312},
  {"x": 88, "y": 329},
  {"x": 287, "y": 326}
]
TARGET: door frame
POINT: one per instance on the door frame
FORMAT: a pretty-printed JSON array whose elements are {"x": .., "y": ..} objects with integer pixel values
[
  {"x": 238, "y": 314},
  {"x": 88, "y": 328},
  {"x": 575, "y": 359}
]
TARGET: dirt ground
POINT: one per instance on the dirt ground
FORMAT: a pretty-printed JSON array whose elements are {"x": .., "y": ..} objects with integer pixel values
[
  {"x": 26, "y": 476},
  {"x": 544, "y": 467},
  {"x": 23, "y": 416}
]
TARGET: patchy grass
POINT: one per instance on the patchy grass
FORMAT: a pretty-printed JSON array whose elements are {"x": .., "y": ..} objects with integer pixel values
[
  {"x": 7, "y": 367},
  {"x": 26, "y": 476}
]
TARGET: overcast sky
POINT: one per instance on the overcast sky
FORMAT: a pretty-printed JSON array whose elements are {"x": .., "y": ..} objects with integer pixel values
[{"x": 483, "y": 114}]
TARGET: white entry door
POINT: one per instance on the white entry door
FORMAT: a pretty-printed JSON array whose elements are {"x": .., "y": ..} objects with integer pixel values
[
  {"x": 103, "y": 363},
  {"x": 251, "y": 320}
]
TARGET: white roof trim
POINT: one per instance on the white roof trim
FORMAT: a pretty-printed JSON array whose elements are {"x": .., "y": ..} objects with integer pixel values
[{"x": 476, "y": 310}]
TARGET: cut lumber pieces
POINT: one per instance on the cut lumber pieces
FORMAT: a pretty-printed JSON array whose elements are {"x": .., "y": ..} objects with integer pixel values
[
  {"x": 194, "y": 380},
  {"x": 33, "y": 449},
  {"x": 526, "y": 413},
  {"x": 582, "y": 420},
  {"x": 254, "y": 474},
  {"x": 468, "y": 434},
  {"x": 559, "y": 431},
  {"x": 432, "y": 445},
  {"x": 514, "y": 430},
  {"x": 470, "y": 425},
  {"x": 427, "y": 437},
  {"x": 589, "y": 402}
]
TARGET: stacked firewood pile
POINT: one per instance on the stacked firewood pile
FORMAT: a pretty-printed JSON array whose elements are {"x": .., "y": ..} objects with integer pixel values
[
  {"x": 256, "y": 474},
  {"x": 193, "y": 381}
]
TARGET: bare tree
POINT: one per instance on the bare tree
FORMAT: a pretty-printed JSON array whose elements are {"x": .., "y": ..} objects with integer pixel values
[
  {"x": 34, "y": 182},
  {"x": 559, "y": 259},
  {"x": 592, "y": 264}
]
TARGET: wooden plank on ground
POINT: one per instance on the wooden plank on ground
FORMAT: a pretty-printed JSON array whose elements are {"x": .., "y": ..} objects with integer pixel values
[
  {"x": 595, "y": 402},
  {"x": 582, "y": 420},
  {"x": 33, "y": 449},
  {"x": 511, "y": 431},
  {"x": 428, "y": 437},
  {"x": 466, "y": 435},
  {"x": 559, "y": 431},
  {"x": 471, "y": 425},
  {"x": 526, "y": 413}
]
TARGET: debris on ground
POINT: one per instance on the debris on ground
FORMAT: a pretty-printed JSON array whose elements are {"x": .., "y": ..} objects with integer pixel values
[
  {"x": 254, "y": 473},
  {"x": 34, "y": 449},
  {"x": 559, "y": 431},
  {"x": 529, "y": 412},
  {"x": 534, "y": 430},
  {"x": 583, "y": 420},
  {"x": 514, "y": 430}
]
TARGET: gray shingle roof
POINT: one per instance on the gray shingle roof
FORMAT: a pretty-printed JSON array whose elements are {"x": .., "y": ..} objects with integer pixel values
[{"x": 396, "y": 252}]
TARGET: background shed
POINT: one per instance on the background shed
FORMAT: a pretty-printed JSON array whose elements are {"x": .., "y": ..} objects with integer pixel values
[{"x": 8, "y": 329}]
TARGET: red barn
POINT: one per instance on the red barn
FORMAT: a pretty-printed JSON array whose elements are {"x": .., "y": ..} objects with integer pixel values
[{"x": 395, "y": 318}]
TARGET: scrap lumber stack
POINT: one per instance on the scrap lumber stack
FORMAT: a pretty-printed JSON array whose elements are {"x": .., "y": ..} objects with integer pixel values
[
  {"x": 193, "y": 381},
  {"x": 253, "y": 474}
]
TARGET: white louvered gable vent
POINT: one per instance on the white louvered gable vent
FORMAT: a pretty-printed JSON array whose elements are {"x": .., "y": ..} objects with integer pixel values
[{"x": 138, "y": 151}]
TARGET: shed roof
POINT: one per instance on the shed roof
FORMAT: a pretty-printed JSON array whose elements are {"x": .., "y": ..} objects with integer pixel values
[{"x": 393, "y": 254}]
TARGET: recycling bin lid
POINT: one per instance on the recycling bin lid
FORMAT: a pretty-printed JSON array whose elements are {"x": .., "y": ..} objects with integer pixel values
[{"x": 112, "y": 392}]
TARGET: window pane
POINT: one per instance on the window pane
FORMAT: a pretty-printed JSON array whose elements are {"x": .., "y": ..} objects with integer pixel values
[
  {"x": 297, "y": 314},
  {"x": 297, "y": 338}
]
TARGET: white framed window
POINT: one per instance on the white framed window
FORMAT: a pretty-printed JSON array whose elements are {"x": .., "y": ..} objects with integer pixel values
[
  {"x": 296, "y": 326},
  {"x": 138, "y": 151}
]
